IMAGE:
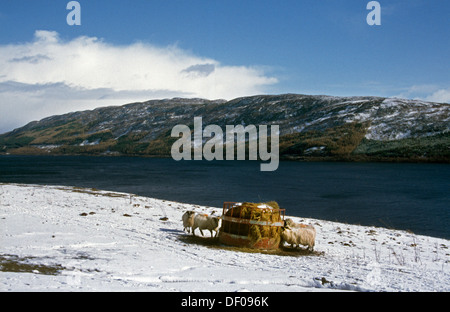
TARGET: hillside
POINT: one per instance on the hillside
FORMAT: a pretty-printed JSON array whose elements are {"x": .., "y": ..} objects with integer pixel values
[
  {"x": 58, "y": 238},
  {"x": 311, "y": 127}
]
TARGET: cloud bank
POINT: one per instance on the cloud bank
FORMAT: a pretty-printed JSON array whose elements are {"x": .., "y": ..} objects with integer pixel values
[
  {"x": 427, "y": 92},
  {"x": 50, "y": 76}
]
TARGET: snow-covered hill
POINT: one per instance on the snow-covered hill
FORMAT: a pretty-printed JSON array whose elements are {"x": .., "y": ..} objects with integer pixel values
[
  {"x": 71, "y": 239},
  {"x": 310, "y": 126}
]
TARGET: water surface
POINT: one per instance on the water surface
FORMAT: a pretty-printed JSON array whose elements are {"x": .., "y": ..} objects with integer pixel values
[{"x": 412, "y": 197}]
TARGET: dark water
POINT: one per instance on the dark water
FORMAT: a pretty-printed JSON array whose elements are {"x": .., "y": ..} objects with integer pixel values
[{"x": 412, "y": 197}]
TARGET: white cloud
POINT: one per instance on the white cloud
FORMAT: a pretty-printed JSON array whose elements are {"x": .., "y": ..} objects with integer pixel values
[
  {"x": 426, "y": 92},
  {"x": 440, "y": 96},
  {"x": 51, "y": 76}
]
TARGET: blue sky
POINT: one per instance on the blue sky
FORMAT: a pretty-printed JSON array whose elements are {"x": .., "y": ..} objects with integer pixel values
[{"x": 141, "y": 49}]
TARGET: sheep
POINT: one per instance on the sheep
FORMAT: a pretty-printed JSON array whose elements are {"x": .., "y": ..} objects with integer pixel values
[
  {"x": 188, "y": 220},
  {"x": 290, "y": 223},
  {"x": 301, "y": 235},
  {"x": 205, "y": 222}
]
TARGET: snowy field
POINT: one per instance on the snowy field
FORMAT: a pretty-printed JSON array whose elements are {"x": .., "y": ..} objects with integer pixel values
[{"x": 72, "y": 239}]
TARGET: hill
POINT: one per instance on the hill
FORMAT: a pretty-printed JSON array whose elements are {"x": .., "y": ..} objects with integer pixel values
[{"x": 311, "y": 127}]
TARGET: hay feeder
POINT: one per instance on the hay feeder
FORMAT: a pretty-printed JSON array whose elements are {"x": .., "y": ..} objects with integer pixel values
[{"x": 251, "y": 225}]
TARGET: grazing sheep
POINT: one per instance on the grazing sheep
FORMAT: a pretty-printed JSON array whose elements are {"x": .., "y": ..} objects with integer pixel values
[
  {"x": 302, "y": 235},
  {"x": 205, "y": 222},
  {"x": 188, "y": 220}
]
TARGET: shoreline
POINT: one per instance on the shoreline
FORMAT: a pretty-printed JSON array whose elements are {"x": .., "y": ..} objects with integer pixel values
[
  {"x": 380, "y": 222},
  {"x": 296, "y": 158}
]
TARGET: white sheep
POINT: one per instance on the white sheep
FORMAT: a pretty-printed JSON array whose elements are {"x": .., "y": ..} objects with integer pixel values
[
  {"x": 291, "y": 224},
  {"x": 188, "y": 220},
  {"x": 302, "y": 235},
  {"x": 205, "y": 222}
]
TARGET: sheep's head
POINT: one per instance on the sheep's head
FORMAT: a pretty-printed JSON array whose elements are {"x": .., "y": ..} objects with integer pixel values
[
  {"x": 285, "y": 227},
  {"x": 289, "y": 222}
]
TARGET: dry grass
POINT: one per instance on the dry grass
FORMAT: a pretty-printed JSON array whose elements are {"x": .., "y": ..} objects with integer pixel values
[
  {"x": 13, "y": 263},
  {"x": 92, "y": 191}
]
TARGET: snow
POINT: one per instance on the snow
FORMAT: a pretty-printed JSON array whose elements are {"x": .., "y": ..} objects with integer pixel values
[
  {"x": 48, "y": 146},
  {"x": 395, "y": 119},
  {"x": 87, "y": 143},
  {"x": 71, "y": 239},
  {"x": 314, "y": 149}
]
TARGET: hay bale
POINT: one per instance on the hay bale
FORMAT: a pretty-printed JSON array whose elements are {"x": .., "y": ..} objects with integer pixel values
[{"x": 267, "y": 212}]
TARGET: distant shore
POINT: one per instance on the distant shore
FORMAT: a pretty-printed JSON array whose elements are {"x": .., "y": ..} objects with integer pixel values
[{"x": 350, "y": 158}]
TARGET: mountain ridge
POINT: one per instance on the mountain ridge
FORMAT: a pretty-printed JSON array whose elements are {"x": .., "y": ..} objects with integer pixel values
[{"x": 312, "y": 127}]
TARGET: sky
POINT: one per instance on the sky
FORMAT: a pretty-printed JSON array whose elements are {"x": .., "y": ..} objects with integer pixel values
[{"x": 130, "y": 51}]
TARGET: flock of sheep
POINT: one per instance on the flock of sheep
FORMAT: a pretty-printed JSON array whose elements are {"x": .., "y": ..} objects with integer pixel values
[{"x": 294, "y": 234}]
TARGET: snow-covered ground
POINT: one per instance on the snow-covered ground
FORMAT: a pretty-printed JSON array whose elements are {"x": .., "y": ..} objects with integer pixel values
[{"x": 71, "y": 239}]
